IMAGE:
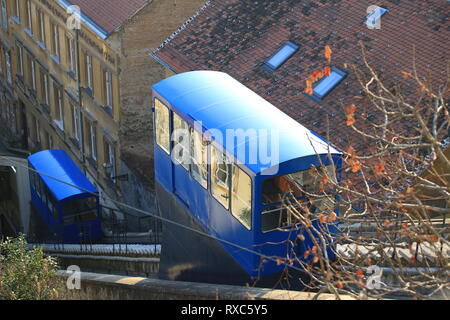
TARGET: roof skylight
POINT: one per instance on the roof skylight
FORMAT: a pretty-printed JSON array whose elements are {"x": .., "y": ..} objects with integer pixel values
[
  {"x": 280, "y": 57},
  {"x": 327, "y": 84}
]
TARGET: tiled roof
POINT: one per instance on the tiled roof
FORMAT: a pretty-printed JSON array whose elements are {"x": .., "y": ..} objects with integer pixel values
[
  {"x": 109, "y": 14},
  {"x": 237, "y": 36}
]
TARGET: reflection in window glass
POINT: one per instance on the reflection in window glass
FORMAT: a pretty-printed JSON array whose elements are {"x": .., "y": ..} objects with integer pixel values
[
  {"x": 180, "y": 150},
  {"x": 199, "y": 157},
  {"x": 220, "y": 177},
  {"x": 274, "y": 189},
  {"x": 162, "y": 131},
  {"x": 275, "y": 217},
  {"x": 241, "y": 197}
]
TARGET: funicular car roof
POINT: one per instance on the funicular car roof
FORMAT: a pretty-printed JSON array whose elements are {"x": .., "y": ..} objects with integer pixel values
[{"x": 222, "y": 103}]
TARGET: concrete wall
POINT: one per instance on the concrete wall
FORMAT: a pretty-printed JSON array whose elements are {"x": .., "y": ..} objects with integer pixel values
[
  {"x": 23, "y": 190},
  {"x": 96, "y": 286}
]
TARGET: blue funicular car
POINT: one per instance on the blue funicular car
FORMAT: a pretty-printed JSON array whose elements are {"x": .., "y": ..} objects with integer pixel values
[
  {"x": 243, "y": 154},
  {"x": 66, "y": 202}
]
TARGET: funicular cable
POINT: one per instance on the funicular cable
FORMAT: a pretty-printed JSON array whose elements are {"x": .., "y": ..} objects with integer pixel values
[{"x": 276, "y": 260}]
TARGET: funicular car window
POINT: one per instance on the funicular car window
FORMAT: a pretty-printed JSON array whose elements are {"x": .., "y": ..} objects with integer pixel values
[
  {"x": 290, "y": 188},
  {"x": 241, "y": 196},
  {"x": 220, "y": 177},
  {"x": 162, "y": 123},
  {"x": 180, "y": 150},
  {"x": 79, "y": 210},
  {"x": 199, "y": 159}
]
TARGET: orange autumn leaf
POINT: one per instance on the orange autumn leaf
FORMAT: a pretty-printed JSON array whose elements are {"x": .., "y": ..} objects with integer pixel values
[
  {"x": 322, "y": 218},
  {"x": 309, "y": 91},
  {"x": 406, "y": 75},
  {"x": 359, "y": 273},
  {"x": 339, "y": 285},
  {"x": 379, "y": 169},
  {"x": 434, "y": 238},
  {"x": 327, "y": 71},
  {"x": 350, "y": 121},
  {"x": 332, "y": 217},
  {"x": 307, "y": 253},
  {"x": 351, "y": 151},
  {"x": 387, "y": 222},
  {"x": 321, "y": 186},
  {"x": 316, "y": 259},
  {"x": 412, "y": 259},
  {"x": 279, "y": 262},
  {"x": 356, "y": 166},
  {"x": 328, "y": 53},
  {"x": 350, "y": 113}
]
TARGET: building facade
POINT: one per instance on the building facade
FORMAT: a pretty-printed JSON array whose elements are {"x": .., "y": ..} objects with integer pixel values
[{"x": 76, "y": 76}]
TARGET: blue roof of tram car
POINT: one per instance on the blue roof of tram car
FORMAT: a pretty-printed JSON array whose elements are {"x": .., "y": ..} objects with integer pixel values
[
  {"x": 221, "y": 102},
  {"x": 58, "y": 164}
]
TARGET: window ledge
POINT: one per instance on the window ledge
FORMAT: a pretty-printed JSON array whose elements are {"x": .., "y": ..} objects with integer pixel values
[
  {"x": 108, "y": 110},
  {"x": 59, "y": 124},
  {"x": 56, "y": 59},
  {"x": 16, "y": 19},
  {"x": 75, "y": 142},
  {"x": 72, "y": 74},
  {"x": 46, "y": 108},
  {"x": 41, "y": 45},
  {"x": 92, "y": 162},
  {"x": 88, "y": 91},
  {"x": 29, "y": 32}
]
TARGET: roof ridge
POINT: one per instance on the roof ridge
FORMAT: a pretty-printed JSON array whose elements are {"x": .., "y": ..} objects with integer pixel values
[{"x": 183, "y": 26}]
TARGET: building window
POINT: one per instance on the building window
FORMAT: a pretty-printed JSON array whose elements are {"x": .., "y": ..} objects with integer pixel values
[
  {"x": 220, "y": 177},
  {"x": 44, "y": 88},
  {"x": 322, "y": 88},
  {"x": 8, "y": 67},
  {"x": 71, "y": 54},
  {"x": 33, "y": 75},
  {"x": 4, "y": 16},
  {"x": 89, "y": 73},
  {"x": 20, "y": 66},
  {"x": 29, "y": 24},
  {"x": 16, "y": 8},
  {"x": 59, "y": 104},
  {"x": 93, "y": 140},
  {"x": 241, "y": 197},
  {"x": 76, "y": 124},
  {"x": 110, "y": 166},
  {"x": 281, "y": 56},
  {"x": 55, "y": 40},
  {"x": 162, "y": 126},
  {"x": 41, "y": 23},
  {"x": 199, "y": 158},
  {"x": 180, "y": 151},
  {"x": 37, "y": 131},
  {"x": 108, "y": 89}
]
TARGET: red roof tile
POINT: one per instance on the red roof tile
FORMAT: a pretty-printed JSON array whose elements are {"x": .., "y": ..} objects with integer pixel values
[
  {"x": 236, "y": 37},
  {"x": 109, "y": 14}
]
